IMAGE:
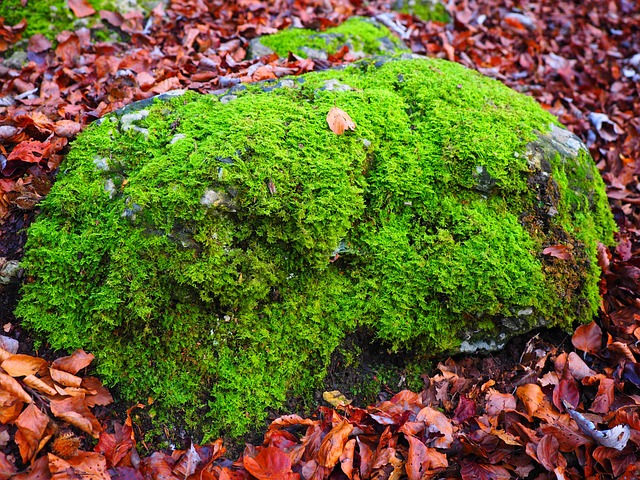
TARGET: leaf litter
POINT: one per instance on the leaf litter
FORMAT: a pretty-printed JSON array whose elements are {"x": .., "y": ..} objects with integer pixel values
[{"x": 558, "y": 413}]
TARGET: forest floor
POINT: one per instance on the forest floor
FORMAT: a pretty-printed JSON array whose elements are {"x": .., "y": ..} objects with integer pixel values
[{"x": 552, "y": 405}]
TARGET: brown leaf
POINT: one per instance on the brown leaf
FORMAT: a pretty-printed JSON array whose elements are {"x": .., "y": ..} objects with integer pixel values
[
  {"x": 465, "y": 410},
  {"x": 604, "y": 397},
  {"x": 339, "y": 121},
  {"x": 39, "y": 470},
  {"x": 74, "y": 362},
  {"x": 558, "y": 251},
  {"x": 10, "y": 407},
  {"x": 81, "y": 8},
  {"x": 422, "y": 459},
  {"x": 471, "y": 470},
  {"x": 536, "y": 402},
  {"x": 67, "y": 128},
  {"x": 187, "y": 463},
  {"x": 366, "y": 458},
  {"x": 588, "y": 338},
  {"x": 20, "y": 365},
  {"x": 85, "y": 466},
  {"x": 7, "y": 468},
  {"x": 566, "y": 390},
  {"x": 65, "y": 378},
  {"x": 547, "y": 453},
  {"x": 333, "y": 444},
  {"x": 496, "y": 402},
  {"x": 114, "y": 18},
  {"x": 38, "y": 43},
  {"x": 75, "y": 411},
  {"x": 346, "y": 459},
  {"x": 158, "y": 466},
  {"x": 270, "y": 464},
  {"x": 39, "y": 384},
  {"x": 438, "y": 422},
  {"x": 12, "y": 386},
  {"x": 102, "y": 395},
  {"x": 31, "y": 424},
  {"x": 335, "y": 398}
]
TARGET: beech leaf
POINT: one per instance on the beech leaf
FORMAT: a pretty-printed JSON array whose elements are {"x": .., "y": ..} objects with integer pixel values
[
  {"x": 74, "y": 362},
  {"x": 339, "y": 121},
  {"x": 333, "y": 444},
  {"x": 20, "y": 365}
]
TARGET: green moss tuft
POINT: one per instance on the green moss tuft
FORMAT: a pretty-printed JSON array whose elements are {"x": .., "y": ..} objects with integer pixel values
[
  {"x": 360, "y": 34},
  {"x": 195, "y": 254}
]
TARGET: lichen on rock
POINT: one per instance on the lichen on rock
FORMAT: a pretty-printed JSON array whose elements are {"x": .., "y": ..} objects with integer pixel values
[{"x": 215, "y": 255}]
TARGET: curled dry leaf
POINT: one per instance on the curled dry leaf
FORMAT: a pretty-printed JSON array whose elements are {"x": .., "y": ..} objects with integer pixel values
[
  {"x": 81, "y": 8},
  {"x": 20, "y": 365},
  {"x": 339, "y": 121},
  {"x": 617, "y": 437},
  {"x": 333, "y": 444},
  {"x": 558, "y": 251},
  {"x": 11, "y": 385},
  {"x": 75, "y": 411},
  {"x": 496, "y": 402},
  {"x": 335, "y": 398},
  {"x": 346, "y": 459},
  {"x": 64, "y": 378},
  {"x": 39, "y": 384},
  {"x": 10, "y": 407},
  {"x": 74, "y": 362},
  {"x": 437, "y": 422},
  {"x": 31, "y": 424}
]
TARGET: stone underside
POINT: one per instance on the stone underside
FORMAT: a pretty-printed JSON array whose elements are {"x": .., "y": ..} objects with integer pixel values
[{"x": 213, "y": 251}]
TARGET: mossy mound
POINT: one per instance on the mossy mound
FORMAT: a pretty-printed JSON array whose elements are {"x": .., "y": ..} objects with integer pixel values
[
  {"x": 363, "y": 36},
  {"x": 50, "y": 17},
  {"x": 213, "y": 254},
  {"x": 425, "y": 10}
]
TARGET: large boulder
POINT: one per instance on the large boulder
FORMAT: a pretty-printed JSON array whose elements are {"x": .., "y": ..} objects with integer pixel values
[{"x": 214, "y": 251}]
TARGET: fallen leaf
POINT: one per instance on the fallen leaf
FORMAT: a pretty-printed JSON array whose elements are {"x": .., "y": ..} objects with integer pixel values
[
  {"x": 339, "y": 121},
  {"x": 10, "y": 407},
  {"x": 81, "y": 8},
  {"x": 616, "y": 438},
  {"x": 31, "y": 424},
  {"x": 188, "y": 462},
  {"x": 270, "y": 464},
  {"x": 20, "y": 365},
  {"x": 12, "y": 386},
  {"x": 333, "y": 444},
  {"x": 558, "y": 251},
  {"x": 588, "y": 338},
  {"x": 346, "y": 459},
  {"x": 74, "y": 362},
  {"x": 75, "y": 411},
  {"x": 64, "y": 378},
  {"x": 85, "y": 465},
  {"x": 39, "y": 385},
  {"x": 437, "y": 422},
  {"x": 422, "y": 459},
  {"x": 496, "y": 402},
  {"x": 335, "y": 398}
]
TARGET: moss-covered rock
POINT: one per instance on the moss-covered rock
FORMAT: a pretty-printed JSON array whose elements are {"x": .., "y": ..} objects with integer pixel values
[
  {"x": 213, "y": 254},
  {"x": 425, "y": 10},
  {"x": 50, "y": 17},
  {"x": 363, "y": 36}
]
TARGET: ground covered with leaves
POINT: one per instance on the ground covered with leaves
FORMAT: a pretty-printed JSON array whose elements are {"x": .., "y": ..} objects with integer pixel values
[{"x": 562, "y": 411}]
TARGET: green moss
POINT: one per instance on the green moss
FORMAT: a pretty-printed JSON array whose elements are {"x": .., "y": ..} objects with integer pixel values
[
  {"x": 50, "y": 17},
  {"x": 360, "y": 34},
  {"x": 425, "y": 10},
  {"x": 196, "y": 255}
]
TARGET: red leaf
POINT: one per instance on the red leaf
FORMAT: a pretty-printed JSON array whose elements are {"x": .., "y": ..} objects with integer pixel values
[
  {"x": 38, "y": 43},
  {"x": 434, "y": 418},
  {"x": 588, "y": 338},
  {"x": 567, "y": 390},
  {"x": 465, "y": 410},
  {"x": 422, "y": 459},
  {"x": 29, "y": 152},
  {"x": 114, "y": 18},
  {"x": 270, "y": 464},
  {"x": 81, "y": 8},
  {"x": 604, "y": 397},
  {"x": 497, "y": 402},
  {"x": 547, "y": 453}
]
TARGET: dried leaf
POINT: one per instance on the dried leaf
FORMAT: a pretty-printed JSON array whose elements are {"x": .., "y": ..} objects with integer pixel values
[
  {"x": 65, "y": 378},
  {"x": 12, "y": 386},
  {"x": 270, "y": 464},
  {"x": 339, "y": 121},
  {"x": 74, "y": 362},
  {"x": 31, "y": 424},
  {"x": 422, "y": 459},
  {"x": 10, "y": 407},
  {"x": 616, "y": 438},
  {"x": 333, "y": 444},
  {"x": 588, "y": 338},
  {"x": 346, "y": 459},
  {"x": 437, "y": 422},
  {"x": 81, "y": 8},
  {"x": 335, "y": 398},
  {"x": 496, "y": 402},
  {"x": 558, "y": 251},
  {"x": 75, "y": 411},
  {"x": 40, "y": 385},
  {"x": 188, "y": 462},
  {"x": 20, "y": 365},
  {"x": 85, "y": 465}
]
